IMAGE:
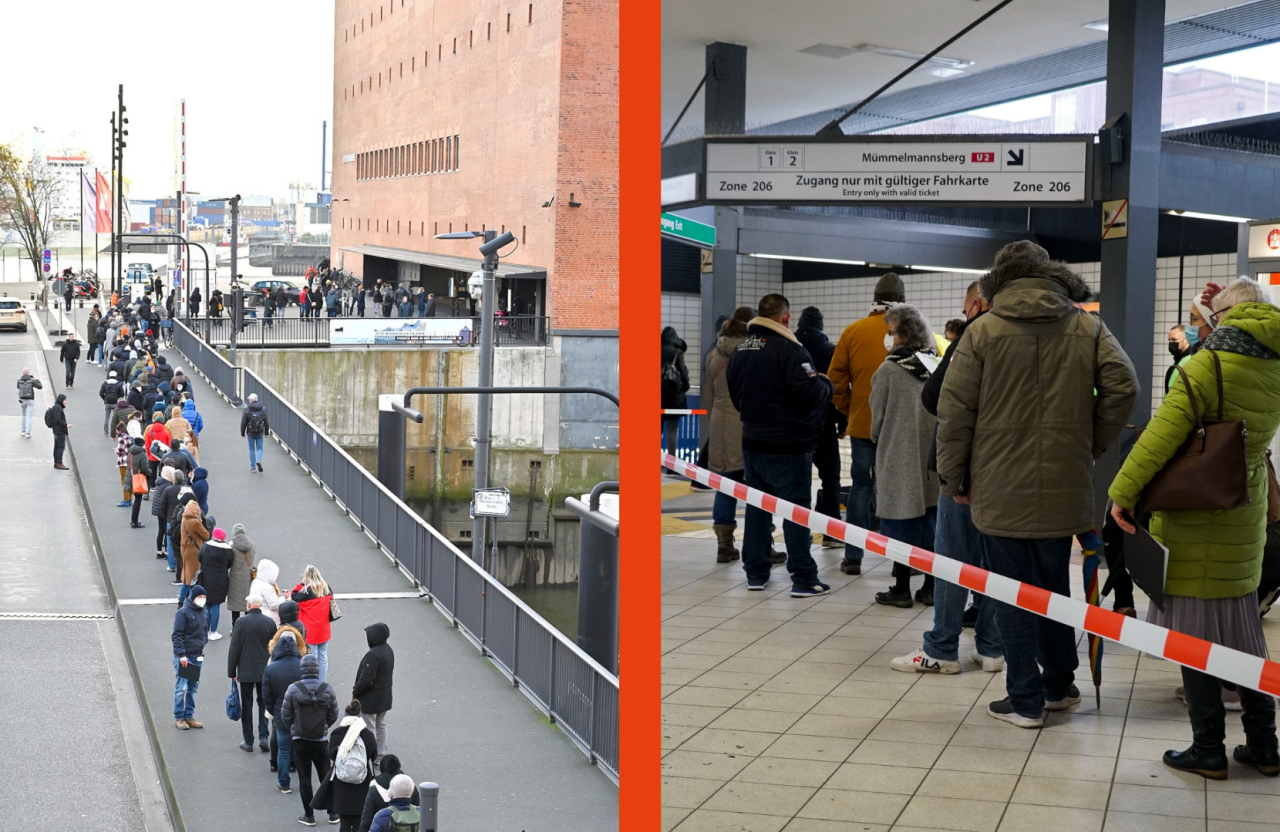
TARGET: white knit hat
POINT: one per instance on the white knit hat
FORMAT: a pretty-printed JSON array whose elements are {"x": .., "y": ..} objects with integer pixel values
[{"x": 401, "y": 786}]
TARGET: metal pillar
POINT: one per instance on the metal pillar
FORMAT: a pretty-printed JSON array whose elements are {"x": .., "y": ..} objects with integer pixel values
[
  {"x": 725, "y": 102},
  {"x": 485, "y": 403},
  {"x": 1243, "y": 269},
  {"x": 1135, "y": 69},
  {"x": 120, "y": 206},
  {"x": 429, "y": 797},
  {"x": 236, "y": 295},
  {"x": 598, "y": 579},
  {"x": 391, "y": 444}
]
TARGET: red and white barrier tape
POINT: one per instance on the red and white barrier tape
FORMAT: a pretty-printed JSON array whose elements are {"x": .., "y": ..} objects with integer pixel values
[
  {"x": 684, "y": 413},
  {"x": 1223, "y": 662}
]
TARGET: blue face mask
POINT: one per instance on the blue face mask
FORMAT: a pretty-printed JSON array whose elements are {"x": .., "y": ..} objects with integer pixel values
[{"x": 1193, "y": 336}]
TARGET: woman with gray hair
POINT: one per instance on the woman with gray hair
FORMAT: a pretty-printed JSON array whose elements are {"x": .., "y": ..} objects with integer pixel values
[
  {"x": 1215, "y": 557},
  {"x": 906, "y": 490}
]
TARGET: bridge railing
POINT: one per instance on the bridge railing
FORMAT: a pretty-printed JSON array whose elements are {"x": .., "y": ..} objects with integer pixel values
[
  {"x": 205, "y": 358},
  {"x": 568, "y": 686}
]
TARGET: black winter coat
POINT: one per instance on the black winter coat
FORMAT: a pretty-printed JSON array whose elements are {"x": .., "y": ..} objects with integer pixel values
[
  {"x": 348, "y": 798},
  {"x": 373, "y": 679},
  {"x": 215, "y": 570},
  {"x": 110, "y": 392},
  {"x": 247, "y": 656},
  {"x": 673, "y": 350},
  {"x": 284, "y": 669},
  {"x": 59, "y": 420},
  {"x": 163, "y": 487},
  {"x": 373, "y": 802},
  {"x": 777, "y": 391},
  {"x": 190, "y": 630},
  {"x": 70, "y": 349}
]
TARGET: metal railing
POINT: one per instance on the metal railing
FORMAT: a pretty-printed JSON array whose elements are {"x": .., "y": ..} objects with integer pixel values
[
  {"x": 205, "y": 358},
  {"x": 264, "y": 332},
  {"x": 515, "y": 330},
  {"x": 568, "y": 686}
]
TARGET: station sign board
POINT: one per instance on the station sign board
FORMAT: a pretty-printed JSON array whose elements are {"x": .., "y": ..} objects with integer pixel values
[
  {"x": 691, "y": 231},
  {"x": 921, "y": 170}
]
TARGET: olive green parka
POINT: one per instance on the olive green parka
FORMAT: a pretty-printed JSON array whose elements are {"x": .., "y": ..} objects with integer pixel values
[{"x": 1214, "y": 554}]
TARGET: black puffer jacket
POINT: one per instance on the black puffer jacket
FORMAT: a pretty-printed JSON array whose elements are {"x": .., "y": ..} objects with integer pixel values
[
  {"x": 777, "y": 391},
  {"x": 284, "y": 669},
  {"x": 373, "y": 679},
  {"x": 673, "y": 350},
  {"x": 215, "y": 570}
]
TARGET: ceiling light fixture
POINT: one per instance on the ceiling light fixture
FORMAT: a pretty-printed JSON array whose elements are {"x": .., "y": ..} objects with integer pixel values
[
  {"x": 1197, "y": 215},
  {"x": 943, "y": 72},
  {"x": 1100, "y": 25},
  {"x": 809, "y": 259},
  {"x": 937, "y": 60},
  {"x": 947, "y": 269}
]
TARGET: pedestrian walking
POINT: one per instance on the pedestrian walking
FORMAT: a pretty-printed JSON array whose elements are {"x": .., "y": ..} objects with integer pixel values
[
  {"x": 1003, "y": 423},
  {"x": 215, "y": 575},
  {"x": 265, "y": 586},
  {"x": 906, "y": 490},
  {"x": 194, "y": 535},
  {"x": 247, "y": 657},
  {"x": 310, "y": 708},
  {"x": 268, "y": 308},
  {"x": 378, "y": 796},
  {"x": 68, "y": 293},
  {"x": 315, "y": 611},
  {"x": 27, "y": 387},
  {"x": 56, "y": 418},
  {"x": 826, "y": 457},
  {"x": 352, "y": 749},
  {"x": 1215, "y": 558},
  {"x": 782, "y": 400},
  {"x": 858, "y": 354},
  {"x": 69, "y": 355},
  {"x": 401, "y": 811},
  {"x": 373, "y": 681},
  {"x": 675, "y": 383},
  {"x": 724, "y": 444},
  {"x": 254, "y": 425},
  {"x": 190, "y": 634},
  {"x": 957, "y": 538},
  {"x": 91, "y": 332},
  {"x": 282, "y": 671},
  {"x": 242, "y": 571}
]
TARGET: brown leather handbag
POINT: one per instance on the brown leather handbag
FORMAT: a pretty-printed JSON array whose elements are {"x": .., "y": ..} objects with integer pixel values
[{"x": 1210, "y": 471}]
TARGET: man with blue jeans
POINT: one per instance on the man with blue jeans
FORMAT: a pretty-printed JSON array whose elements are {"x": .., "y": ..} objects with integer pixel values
[
  {"x": 782, "y": 400},
  {"x": 27, "y": 387},
  {"x": 1035, "y": 392},
  {"x": 254, "y": 425},
  {"x": 283, "y": 670},
  {"x": 956, "y": 538},
  {"x": 190, "y": 634}
]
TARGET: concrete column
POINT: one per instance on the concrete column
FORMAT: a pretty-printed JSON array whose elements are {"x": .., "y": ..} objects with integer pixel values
[
  {"x": 1135, "y": 61},
  {"x": 1242, "y": 251},
  {"x": 725, "y": 100},
  {"x": 391, "y": 445}
]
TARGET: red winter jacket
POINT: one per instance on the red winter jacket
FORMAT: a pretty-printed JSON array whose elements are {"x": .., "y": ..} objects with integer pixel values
[{"x": 313, "y": 612}]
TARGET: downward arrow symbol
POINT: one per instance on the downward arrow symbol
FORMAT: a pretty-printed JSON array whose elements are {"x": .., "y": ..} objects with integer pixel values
[{"x": 1015, "y": 157}]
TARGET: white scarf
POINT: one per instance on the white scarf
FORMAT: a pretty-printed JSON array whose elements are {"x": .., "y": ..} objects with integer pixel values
[{"x": 354, "y": 725}]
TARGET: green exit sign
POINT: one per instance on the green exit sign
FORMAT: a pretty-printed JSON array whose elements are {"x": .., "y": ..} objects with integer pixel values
[{"x": 690, "y": 230}]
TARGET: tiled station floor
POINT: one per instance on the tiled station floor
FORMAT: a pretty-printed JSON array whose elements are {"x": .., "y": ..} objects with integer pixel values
[{"x": 783, "y": 714}]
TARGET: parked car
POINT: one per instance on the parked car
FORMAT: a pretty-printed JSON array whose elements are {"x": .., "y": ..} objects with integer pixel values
[
  {"x": 254, "y": 296},
  {"x": 12, "y": 314}
]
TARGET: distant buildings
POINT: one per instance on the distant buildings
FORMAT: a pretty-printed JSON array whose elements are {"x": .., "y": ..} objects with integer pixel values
[{"x": 66, "y": 167}]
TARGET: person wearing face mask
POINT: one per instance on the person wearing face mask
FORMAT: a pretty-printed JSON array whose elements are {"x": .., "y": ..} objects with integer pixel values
[
  {"x": 1179, "y": 349},
  {"x": 190, "y": 635},
  {"x": 1215, "y": 558},
  {"x": 782, "y": 400},
  {"x": 858, "y": 354}
]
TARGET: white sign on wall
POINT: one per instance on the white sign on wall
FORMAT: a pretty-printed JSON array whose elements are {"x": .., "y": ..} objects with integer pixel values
[
  {"x": 776, "y": 170},
  {"x": 407, "y": 331},
  {"x": 1264, "y": 242}
]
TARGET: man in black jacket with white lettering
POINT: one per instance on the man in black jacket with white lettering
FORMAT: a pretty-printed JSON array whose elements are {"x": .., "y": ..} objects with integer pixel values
[{"x": 782, "y": 399}]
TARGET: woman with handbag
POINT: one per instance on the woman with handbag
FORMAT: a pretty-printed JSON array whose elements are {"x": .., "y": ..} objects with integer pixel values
[
  {"x": 139, "y": 477},
  {"x": 1216, "y": 535},
  {"x": 242, "y": 572},
  {"x": 316, "y": 610}
]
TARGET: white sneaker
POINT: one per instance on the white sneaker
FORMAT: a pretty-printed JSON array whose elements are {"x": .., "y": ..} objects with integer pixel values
[
  {"x": 214, "y": 636},
  {"x": 922, "y": 662},
  {"x": 991, "y": 664}
]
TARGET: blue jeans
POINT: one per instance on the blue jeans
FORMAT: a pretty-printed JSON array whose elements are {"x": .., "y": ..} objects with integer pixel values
[
  {"x": 862, "y": 492},
  {"x": 183, "y": 591},
  {"x": 1032, "y": 642},
  {"x": 284, "y": 753},
  {"x": 724, "y": 509},
  {"x": 215, "y": 612},
  {"x": 255, "y": 450},
  {"x": 184, "y": 694},
  {"x": 28, "y": 407},
  {"x": 322, "y": 656},
  {"x": 958, "y": 539},
  {"x": 168, "y": 545},
  {"x": 788, "y": 477}
]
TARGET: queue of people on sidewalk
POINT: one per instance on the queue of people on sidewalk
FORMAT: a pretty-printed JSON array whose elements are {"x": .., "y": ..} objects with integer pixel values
[{"x": 986, "y": 456}]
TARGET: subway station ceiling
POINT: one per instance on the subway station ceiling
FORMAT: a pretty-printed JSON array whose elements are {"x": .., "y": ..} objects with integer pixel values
[{"x": 1041, "y": 45}]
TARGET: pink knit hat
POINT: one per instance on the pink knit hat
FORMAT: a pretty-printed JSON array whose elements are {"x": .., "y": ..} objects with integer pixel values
[{"x": 219, "y": 534}]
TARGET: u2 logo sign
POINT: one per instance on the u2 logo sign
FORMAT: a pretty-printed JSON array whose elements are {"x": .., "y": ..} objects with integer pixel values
[{"x": 977, "y": 156}]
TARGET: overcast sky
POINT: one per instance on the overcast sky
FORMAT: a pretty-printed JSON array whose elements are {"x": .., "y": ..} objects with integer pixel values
[{"x": 257, "y": 77}]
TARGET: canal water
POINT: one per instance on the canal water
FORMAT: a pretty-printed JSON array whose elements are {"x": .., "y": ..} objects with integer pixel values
[{"x": 557, "y": 603}]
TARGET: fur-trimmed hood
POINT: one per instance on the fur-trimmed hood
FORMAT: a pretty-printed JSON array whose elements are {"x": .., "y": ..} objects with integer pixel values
[
  {"x": 299, "y": 643},
  {"x": 1028, "y": 287}
]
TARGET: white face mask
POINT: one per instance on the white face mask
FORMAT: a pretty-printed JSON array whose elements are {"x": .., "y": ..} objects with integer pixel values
[
  {"x": 199, "y": 602},
  {"x": 888, "y": 342}
]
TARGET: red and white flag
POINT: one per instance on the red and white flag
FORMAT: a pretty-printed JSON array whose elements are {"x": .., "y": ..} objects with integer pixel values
[
  {"x": 104, "y": 205},
  {"x": 88, "y": 205}
]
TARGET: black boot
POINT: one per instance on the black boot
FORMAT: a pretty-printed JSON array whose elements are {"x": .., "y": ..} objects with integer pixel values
[
  {"x": 1207, "y": 762},
  {"x": 1265, "y": 760}
]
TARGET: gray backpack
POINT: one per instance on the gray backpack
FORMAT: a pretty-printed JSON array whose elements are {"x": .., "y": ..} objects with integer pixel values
[{"x": 353, "y": 765}]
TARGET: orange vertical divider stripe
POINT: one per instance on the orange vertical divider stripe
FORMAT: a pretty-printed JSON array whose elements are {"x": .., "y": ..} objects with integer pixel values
[{"x": 639, "y": 273}]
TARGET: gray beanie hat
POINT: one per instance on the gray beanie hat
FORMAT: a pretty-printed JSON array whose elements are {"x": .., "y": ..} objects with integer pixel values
[{"x": 890, "y": 289}]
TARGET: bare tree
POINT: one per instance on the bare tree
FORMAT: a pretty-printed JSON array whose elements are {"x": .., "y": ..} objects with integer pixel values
[{"x": 27, "y": 192}]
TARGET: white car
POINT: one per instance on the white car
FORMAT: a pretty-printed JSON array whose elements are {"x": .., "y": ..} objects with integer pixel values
[{"x": 12, "y": 314}]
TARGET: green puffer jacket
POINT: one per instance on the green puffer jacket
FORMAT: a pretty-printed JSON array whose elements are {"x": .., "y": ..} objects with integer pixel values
[{"x": 1215, "y": 554}]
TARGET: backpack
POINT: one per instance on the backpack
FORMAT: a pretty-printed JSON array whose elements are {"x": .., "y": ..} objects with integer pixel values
[
  {"x": 670, "y": 385},
  {"x": 353, "y": 766},
  {"x": 256, "y": 420},
  {"x": 311, "y": 713},
  {"x": 48, "y": 417},
  {"x": 404, "y": 820}
]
